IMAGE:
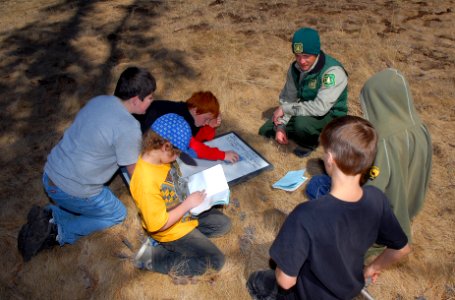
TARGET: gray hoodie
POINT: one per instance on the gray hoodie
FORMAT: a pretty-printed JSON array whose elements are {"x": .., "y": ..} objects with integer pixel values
[{"x": 404, "y": 146}]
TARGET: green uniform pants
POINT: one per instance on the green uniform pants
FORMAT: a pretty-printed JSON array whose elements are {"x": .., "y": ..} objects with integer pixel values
[{"x": 304, "y": 130}]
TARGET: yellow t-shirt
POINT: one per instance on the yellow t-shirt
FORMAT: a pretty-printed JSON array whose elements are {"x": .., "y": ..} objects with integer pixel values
[{"x": 153, "y": 192}]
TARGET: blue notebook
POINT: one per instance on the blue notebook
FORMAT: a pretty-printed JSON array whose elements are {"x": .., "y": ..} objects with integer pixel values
[{"x": 291, "y": 181}]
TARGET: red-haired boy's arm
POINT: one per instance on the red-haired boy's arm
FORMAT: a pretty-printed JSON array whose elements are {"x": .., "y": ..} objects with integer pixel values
[
  {"x": 205, "y": 152},
  {"x": 205, "y": 133}
]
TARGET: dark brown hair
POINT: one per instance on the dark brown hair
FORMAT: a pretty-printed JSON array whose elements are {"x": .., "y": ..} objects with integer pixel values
[
  {"x": 352, "y": 141},
  {"x": 133, "y": 82},
  {"x": 153, "y": 141},
  {"x": 204, "y": 102}
]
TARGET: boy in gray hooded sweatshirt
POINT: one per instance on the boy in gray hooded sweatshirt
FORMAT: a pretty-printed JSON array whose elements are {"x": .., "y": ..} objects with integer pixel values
[{"x": 403, "y": 162}]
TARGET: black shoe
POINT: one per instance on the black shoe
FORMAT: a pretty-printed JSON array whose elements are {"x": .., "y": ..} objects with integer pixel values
[
  {"x": 51, "y": 239},
  {"x": 302, "y": 151},
  {"x": 37, "y": 234}
]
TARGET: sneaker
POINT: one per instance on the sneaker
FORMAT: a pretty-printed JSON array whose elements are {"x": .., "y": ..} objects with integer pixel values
[
  {"x": 301, "y": 151},
  {"x": 37, "y": 234},
  {"x": 143, "y": 259},
  {"x": 51, "y": 239}
]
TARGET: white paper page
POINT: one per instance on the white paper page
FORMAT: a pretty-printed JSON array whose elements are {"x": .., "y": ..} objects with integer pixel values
[
  {"x": 249, "y": 162},
  {"x": 212, "y": 180}
]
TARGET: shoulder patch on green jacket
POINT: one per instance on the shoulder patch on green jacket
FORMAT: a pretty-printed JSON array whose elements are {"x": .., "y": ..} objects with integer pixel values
[
  {"x": 374, "y": 172},
  {"x": 328, "y": 80}
]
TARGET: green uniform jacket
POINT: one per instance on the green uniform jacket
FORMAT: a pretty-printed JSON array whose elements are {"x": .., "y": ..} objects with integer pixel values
[
  {"x": 308, "y": 88},
  {"x": 404, "y": 146}
]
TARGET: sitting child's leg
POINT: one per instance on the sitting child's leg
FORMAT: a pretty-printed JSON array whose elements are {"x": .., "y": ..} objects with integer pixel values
[
  {"x": 213, "y": 223},
  {"x": 190, "y": 255}
]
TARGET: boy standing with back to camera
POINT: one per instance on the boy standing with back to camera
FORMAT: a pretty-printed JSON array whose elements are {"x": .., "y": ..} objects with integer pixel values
[{"x": 319, "y": 251}]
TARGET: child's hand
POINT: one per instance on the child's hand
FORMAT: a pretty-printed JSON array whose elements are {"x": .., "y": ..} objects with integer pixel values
[
  {"x": 215, "y": 122},
  {"x": 194, "y": 199},
  {"x": 231, "y": 156},
  {"x": 371, "y": 272}
]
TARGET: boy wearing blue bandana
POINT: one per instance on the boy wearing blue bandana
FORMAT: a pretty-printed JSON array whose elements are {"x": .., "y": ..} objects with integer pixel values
[
  {"x": 315, "y": 93},
  {"x": 180, "y": 242}
]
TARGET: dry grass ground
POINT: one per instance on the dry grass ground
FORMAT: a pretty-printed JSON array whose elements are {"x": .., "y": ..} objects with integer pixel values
[{"x": 55, "y": 55}]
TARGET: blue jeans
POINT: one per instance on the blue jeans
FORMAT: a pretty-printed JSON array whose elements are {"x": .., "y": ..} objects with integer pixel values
[
  {"x": 194, "y": 253},
  {"x": 318, "y": 186},
  {"x": 77, "y": 217}
]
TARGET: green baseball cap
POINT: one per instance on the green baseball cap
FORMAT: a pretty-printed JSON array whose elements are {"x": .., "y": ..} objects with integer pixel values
[{"x": 306, "y": 40}]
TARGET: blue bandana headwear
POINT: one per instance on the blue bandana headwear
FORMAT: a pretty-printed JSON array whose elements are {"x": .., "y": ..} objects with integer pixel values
[{"x": 176, "y": 130}]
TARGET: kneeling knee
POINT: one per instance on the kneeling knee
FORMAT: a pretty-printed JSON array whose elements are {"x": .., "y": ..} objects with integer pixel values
[
  {"x": 121, "y": 214},
  {"x": 217, "y": 262}
]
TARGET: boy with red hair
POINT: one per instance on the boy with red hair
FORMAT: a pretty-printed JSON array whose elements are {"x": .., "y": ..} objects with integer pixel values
[{"x": 202, "y": 113}]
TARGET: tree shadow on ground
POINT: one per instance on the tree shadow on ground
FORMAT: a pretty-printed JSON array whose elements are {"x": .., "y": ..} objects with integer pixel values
[
  {"x": 47, "y": 76},
  {"x": 49, "y": 69}
]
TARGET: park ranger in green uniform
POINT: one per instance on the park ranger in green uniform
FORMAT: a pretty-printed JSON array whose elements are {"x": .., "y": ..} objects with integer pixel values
[{"x": 315, "y": 92}]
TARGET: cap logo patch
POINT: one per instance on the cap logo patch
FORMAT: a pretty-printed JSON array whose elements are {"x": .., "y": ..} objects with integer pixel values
[
  {"x": 328, "y": 80},
  {"x": 298, "y": 48}
]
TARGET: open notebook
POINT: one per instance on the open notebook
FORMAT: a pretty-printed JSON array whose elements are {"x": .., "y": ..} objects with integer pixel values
[{"x": 213, "y": 181}]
